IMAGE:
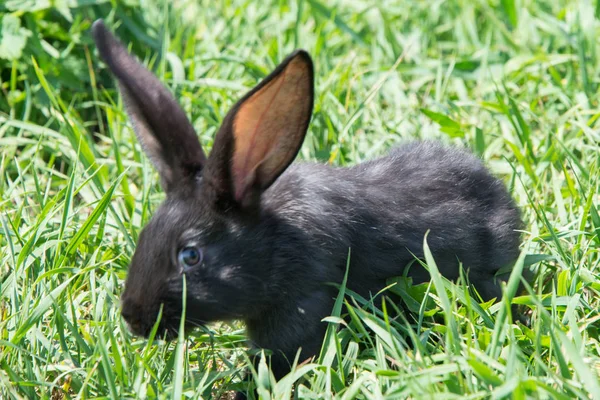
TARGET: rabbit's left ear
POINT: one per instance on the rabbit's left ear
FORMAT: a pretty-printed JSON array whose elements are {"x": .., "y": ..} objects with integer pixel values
[
  {"x": 165, "y": 133},
  {"x": 263, "y": 132}
]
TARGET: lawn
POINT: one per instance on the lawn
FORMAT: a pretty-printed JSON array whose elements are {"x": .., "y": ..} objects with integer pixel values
[{"x": 516, "y": 81}]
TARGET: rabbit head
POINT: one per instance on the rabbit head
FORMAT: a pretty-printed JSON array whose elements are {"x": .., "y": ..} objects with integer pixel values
[{"x": 205, "y": 235}]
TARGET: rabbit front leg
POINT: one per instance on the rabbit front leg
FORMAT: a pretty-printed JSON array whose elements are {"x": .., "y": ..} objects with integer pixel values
[{"x": 293, "y": 324}]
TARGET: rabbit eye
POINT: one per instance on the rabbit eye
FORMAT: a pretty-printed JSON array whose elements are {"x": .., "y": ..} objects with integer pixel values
[{"x": 190, "y": 257}]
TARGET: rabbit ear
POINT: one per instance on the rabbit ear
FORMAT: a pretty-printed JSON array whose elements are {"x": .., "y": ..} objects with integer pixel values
[
  {"x": 263, "y": 132},
  {"x": 161, "y": 126}
]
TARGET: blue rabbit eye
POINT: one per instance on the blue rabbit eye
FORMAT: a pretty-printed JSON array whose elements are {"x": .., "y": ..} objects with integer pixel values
[{"x": 190, "y": 257}]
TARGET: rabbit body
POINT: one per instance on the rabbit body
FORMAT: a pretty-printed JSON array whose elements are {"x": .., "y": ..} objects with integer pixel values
[
  {"x": 251, "y": 237},
  {"x": 381, "y": 210}
]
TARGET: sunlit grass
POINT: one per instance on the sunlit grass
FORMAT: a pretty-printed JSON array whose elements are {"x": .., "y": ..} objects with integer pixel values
[{"x": 515, "y": 81}]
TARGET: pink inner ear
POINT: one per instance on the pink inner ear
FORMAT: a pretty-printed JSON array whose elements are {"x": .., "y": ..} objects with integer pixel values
[
  {"x": 268, "y": 128},
  {"x": 256, "y": 150}
]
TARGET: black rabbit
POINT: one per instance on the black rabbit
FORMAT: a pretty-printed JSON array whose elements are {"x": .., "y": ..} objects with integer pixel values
[{"x": 258, "y": 239}]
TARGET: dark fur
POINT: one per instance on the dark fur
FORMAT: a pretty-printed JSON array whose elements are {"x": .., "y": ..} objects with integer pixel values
[{"x": 268, "y": 264}]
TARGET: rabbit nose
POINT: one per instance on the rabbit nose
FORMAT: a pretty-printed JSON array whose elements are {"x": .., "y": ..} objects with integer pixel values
[{"x": 133, "y": 315}]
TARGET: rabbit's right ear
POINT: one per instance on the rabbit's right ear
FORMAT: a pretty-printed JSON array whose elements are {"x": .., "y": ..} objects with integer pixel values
[
  {"x": 161, "y": 126},
  {"x": 262, "y": 134}
]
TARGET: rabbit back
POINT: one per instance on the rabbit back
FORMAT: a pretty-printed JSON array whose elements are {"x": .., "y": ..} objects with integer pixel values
[{"x": 381, "y": 210}]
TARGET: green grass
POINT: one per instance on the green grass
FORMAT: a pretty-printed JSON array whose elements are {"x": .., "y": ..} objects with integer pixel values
[{"x": 514, "y": 80}]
